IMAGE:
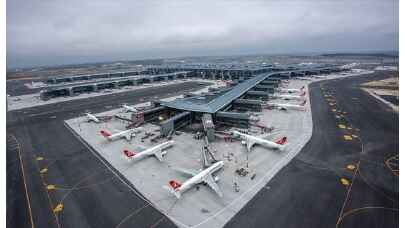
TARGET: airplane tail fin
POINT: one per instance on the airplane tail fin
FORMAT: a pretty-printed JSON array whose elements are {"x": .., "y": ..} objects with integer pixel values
[
  {"x": 174, "y": 185},
  {"x": 105, "y": 133},
  {"x": 129, "y": 153},
  {"x": 302, "y": 88},
  {"x": 303, "y": 103},
  {"x": 303, "y": 94},
  {"x": 282, "y": 141},
  {"x": 159, "y": 155}
]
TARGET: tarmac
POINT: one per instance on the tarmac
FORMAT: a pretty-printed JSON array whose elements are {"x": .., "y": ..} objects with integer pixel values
[
  {"x": 202, "y": 208},
  {"x": 307, "y": 192},
  {"x": 92, "y": 195},
  {"x": 33, "y": 99}
]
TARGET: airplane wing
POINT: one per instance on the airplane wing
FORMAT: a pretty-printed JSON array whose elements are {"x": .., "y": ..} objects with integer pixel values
[
  {"x": 211, "y": 182},
  {"x": 158, "y": 155},
  {"x": 186, "y": 172}
]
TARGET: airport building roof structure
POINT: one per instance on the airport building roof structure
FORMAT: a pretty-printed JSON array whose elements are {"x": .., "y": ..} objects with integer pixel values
[
  {"x": 213, "y": 104},
  {"x": 113, "y": 80},
  {"x": 240, "y": 69},
  {"x": 216, "y": 67},
  {"x": 83, "y": 77}
]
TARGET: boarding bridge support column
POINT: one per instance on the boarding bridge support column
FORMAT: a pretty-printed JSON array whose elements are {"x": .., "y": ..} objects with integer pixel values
[{"x": 209, "y": 127}]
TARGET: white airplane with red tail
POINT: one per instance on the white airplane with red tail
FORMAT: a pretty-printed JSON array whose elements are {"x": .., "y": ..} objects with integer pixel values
[
  {"x": 251, "y": 140},
  {"x": 127, "y": 134},
  {"x": 205, "y": 176},
  {"x": 158, "y": 151}
]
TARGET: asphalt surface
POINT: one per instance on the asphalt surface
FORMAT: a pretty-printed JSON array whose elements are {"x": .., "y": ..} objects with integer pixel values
[
  {"x": 308, "y": 192},
  {"x": 91, "y": 195}
]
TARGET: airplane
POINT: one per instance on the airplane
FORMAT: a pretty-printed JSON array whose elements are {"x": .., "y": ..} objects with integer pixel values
[
  {"x": 157, "y": 151},
  {"x": 304, "y": 78},
  {"x": 292, "y": 90},
  {"x": 127, "y": 134},
  {"x": 91, "y": 117},
  {"x": 205, "y": 176},
  {"x": 290, "y": 97},
  {"x": 319, "y": 76},
  {"x": 251, "y": 140},
  {"x": 286, "y": 106},
  {"x": 129, "y": 108}
]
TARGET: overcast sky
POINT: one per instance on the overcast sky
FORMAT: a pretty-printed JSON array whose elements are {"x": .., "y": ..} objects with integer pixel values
[{"x": 47, "y": 32}]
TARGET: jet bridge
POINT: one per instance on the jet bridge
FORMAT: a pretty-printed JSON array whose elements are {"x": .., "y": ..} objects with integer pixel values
[
  {"x": 235, "y": 119},
  {"x": 170, "y": 125}
]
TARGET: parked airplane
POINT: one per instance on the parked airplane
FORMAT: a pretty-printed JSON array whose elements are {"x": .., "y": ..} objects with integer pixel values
[
  {"x": 205, "y": 176},
  {"x": 129, "y": 108},
  {"x": 287, "y": 106},
  {"x": 127, "y": 134},
  {"x": 251, "y": 140},
  {"x": 319, "y": 76},
  {"x": 158, "y": 151},
  {"x": 304, "y": 78},
  {"x": 290, "y": 97},
  {"x": 92, "y": 118},
  {"x": 291, "y": 90}
]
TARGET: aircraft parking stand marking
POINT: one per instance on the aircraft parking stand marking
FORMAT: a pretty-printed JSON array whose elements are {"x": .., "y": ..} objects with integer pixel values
[
  {"x": 351, "y": 167},
  {"x": 393, "y": 164},
  {"x": 44, "y": 170},
  {"x": 132, "y": 214},
  {"x": 340, "y": 218},
  {"x": 58, "y": 208},
  {"x": 342, "y": 126},
  {"x": 344, "y": 181},
  {"x": 48, "y": 187}
]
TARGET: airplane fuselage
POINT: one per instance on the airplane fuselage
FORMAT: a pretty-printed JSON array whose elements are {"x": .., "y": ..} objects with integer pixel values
[
  {"x": 129, "y": 108},
  {"x": 93, "y": 118},
  {"x": 250, "y": 140},
  {"x": 123, "y": 134},
  {"x": 200, "y": 177},
  {"x": 151, "y": 151},
  {"x": 287, "y": 106},
  {"x": 289, "y": 90}
]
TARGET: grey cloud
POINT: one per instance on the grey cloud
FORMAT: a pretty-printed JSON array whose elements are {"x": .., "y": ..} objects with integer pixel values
[{"x": 57, "y": 32}]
